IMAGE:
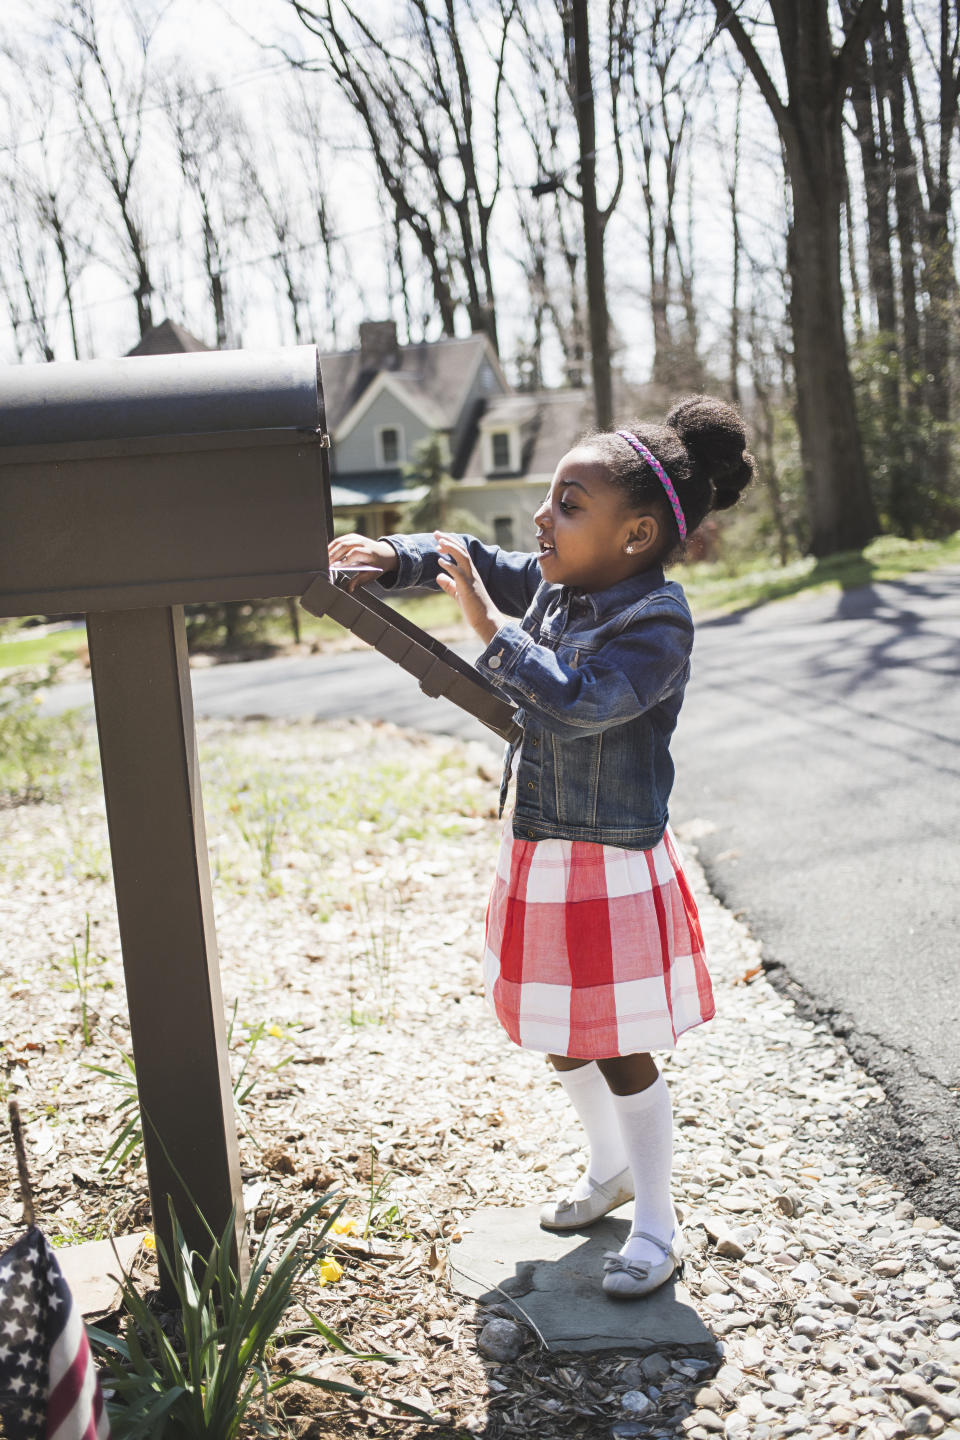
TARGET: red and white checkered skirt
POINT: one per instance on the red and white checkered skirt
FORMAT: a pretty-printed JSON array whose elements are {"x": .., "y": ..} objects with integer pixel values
[{"x": 592, "y": 951}]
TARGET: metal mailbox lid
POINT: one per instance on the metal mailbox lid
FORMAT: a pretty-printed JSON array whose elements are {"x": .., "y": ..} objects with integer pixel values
[
  {"x": 439, "y": 670},
  {"x": 201, "y": 392}
]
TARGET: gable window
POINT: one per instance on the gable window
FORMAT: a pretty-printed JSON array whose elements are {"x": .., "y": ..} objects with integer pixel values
[
  {"x": 503, "y": 531},
  {"x": 391, "y": 445},
  {"x": 500, "y": 449}
]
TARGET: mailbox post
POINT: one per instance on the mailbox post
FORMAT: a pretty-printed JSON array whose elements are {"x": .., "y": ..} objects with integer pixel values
[{"x": 127, "y": 489}]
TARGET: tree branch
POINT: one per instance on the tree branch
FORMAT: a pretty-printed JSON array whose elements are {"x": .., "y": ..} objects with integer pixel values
[
  {"x": 856, "y": 37},
  {"x": 728, "y": 20}
]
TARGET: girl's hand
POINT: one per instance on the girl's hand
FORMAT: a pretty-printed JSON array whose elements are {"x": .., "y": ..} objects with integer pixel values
[
  {"x": 460, "y": 579},
  {"x": 361, "y": 550}
]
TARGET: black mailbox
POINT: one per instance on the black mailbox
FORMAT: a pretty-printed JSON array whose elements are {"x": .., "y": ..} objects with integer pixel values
[{"x": 161, "y": 480}]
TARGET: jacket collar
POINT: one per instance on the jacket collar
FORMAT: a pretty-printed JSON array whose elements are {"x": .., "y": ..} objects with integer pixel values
[{"x": 618, "y": 597}]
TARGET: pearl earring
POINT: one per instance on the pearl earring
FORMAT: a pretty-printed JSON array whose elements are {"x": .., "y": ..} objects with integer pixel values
[{"x": 629, "y": 549}]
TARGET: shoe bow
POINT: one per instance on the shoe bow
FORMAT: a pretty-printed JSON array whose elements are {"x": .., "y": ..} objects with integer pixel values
[{"x": 615, "y": 1263}]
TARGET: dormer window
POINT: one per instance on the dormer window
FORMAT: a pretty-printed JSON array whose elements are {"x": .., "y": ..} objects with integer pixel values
[
  {"x": 390, "y": 444},
  {"x": 501, "y": 451}
]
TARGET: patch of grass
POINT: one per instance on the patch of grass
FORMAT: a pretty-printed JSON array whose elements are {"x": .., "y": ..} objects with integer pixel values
[
  {"x": 29, "y": 650},
  {"x": 37, "y": 752},
  {"x": 715, "y": 589}
]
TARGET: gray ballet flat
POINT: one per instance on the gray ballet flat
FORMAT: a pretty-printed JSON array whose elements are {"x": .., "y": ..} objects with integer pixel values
[
  {"x": 576, "y": 1214},
  {"x": 628, "y": 1279}
]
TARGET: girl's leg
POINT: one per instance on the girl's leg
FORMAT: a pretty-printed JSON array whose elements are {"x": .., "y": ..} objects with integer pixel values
[
  {"x": 590, "y": 1096},
  {"x": 641, "y": 1102}
]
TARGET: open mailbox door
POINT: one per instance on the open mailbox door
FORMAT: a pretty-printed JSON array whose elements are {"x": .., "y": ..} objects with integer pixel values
[{"x": 440, "y": 670}]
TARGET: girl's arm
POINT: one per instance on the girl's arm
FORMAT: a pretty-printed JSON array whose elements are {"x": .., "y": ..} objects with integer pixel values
[
  {"x": 629, "y": 674},
  {"x": 511, "y": 578}
]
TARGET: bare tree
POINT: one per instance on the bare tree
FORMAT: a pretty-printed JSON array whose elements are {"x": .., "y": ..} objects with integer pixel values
[
  {"x": 809, "y": 120},
  {"x": 414, "y": 96},
  {"x": 935, "y": 138},
  {"x": 110, "y": 96},
  {"x": 211, "y": 147},
  {"x": 662, "y": 87},
  {"x": 42, "y": 213},
  {"x": 548, "y": 212}
]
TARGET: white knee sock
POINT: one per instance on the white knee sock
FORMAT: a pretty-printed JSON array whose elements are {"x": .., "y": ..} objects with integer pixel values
[
  {"x": 590, "y": 1096},
  {"x": 646, "y": 1124}
]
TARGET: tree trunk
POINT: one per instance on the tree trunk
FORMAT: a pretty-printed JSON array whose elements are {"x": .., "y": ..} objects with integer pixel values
[
  {"x": 592, "y": 223},
  {"x": 842, "y": 515},
  {"x": 841, "y": 509}
]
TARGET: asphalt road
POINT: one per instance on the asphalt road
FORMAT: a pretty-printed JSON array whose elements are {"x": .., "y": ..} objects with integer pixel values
[
  {"x": 818, "y": 759},
  {"x": 819, "y": 748}
]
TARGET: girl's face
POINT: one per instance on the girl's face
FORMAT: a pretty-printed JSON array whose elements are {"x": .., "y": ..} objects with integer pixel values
[{"x": 584, "y": 528}]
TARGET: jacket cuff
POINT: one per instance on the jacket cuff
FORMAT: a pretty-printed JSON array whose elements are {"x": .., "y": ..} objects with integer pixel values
[
  {"x": 504, "y": 653},
  {"x": 409, "y": 571}
]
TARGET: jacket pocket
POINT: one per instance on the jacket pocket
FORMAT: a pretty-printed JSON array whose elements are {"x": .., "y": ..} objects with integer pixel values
[{"x": 576, "y": 769}]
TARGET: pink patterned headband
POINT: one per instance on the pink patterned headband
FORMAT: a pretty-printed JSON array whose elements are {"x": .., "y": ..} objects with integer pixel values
[{"x": 661, "y": 475}]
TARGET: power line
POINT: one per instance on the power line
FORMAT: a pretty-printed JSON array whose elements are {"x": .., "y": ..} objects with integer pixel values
[
  {"x": 51, "y": 317},
  {"x": 149, "y": 109}
]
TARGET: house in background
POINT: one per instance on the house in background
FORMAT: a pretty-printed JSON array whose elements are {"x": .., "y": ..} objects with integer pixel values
[{"x": 382, "y": 399}]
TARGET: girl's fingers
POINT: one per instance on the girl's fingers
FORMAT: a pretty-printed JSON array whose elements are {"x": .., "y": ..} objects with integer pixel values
[{"x": 452, "y": 543}]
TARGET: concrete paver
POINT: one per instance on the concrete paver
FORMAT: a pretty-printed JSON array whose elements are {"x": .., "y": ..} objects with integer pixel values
[{"x": 553, "y": 1280}]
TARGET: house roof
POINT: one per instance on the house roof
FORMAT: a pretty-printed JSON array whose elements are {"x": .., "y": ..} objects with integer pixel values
[
  {"x": 551, "y": 422},
  {"x": 436, "y": 375},
  {"x": 167, "y": 338}
]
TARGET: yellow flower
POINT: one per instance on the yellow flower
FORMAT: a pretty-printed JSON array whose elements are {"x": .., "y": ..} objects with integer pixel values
[
  {"x": 149, "y": 1241},
  {"x": 330, "y": 1270},
  {"x": 275, "y": 1031},
  {"x": 345, "y": 1226}
]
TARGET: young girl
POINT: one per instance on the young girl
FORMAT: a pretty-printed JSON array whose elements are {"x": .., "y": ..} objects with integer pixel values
[{"x": 593, "y": 947}]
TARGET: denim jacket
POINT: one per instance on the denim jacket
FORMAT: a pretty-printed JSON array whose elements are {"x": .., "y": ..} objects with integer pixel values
[{"x": 599, "y": 679}]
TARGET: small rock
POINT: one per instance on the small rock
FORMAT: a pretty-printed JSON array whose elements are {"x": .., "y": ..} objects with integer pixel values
[
  {"x": 730, "y": 1248},
  {"x": 807, "y": 1325},
  {"x": 948, "y": 1330},
  {"x": 839, "y": 1296},
  {"x": 806, "y": 1273},
  {"x": 628, "y": 1430},
  {"x": 636, "y": 1402},
  {"x": 785, "y": 1204},
  {"x": 842, "y": 1415},
  {"x": 738, "y": 1320},
  {"x": 709, "y": 1399},
  {"x": 888, "y": 1269},
  {"x": 926, "y": 1222},
  {"x": 704, "y": 1420},
  {"x": 789, "y": 1384},
  {"x": 752, "y": 1351},
  {"x": 779, "y": 1399},
  {"x": 501, "y": 1340},
  {"x": 918, "y": 1421},
  {"x": 654, "y": 1368}
]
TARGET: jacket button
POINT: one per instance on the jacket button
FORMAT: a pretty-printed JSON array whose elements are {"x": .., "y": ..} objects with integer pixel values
[
  {"x": 534, "y": 742},
  {"x": 531, "y": 834},
  {"x": 530, "y": 785}
]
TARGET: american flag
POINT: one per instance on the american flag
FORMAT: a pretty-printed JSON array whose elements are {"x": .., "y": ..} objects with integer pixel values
[{"x": 48, "y": 1384}]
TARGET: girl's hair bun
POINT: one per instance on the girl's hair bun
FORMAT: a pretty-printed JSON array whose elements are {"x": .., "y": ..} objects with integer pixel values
[{"x": 716, "y": 441}]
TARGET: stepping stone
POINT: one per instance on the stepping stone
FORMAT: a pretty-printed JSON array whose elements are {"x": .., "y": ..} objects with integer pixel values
[{"x": 553, "y": 1281}]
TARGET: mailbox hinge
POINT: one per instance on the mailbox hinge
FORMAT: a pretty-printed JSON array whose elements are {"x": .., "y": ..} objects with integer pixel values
[{"x": 318, "y": 430}]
